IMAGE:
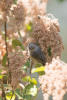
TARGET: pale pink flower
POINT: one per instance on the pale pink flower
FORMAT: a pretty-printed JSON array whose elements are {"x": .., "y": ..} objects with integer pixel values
[{"x": 54, "y": 82}]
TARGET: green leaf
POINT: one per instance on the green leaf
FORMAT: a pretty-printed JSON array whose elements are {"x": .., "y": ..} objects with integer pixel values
[
  {"x": 49, "y": 51},
  {"x": 33, "y": 90},
  {"x": 15, "y": 1},
  {"x": 0, "y": 98},
  {"x": 28, "y": 79},
  {"x": 34, "y": 81},
  {"x": 16, "y": 43},
  {"x": 1, "y": 76},
  {"x": 24, "y": 68},
  {"x": 10, "y": 96},
  {"x": 41, "y": 73},
  {"x": 38, "y": 65},
  {"x": 4, "y": 60},
  {"x": 39, "y": 69},
  {"x": 29, "y": 27},
  {"x": 18, "y": 94},
  {"x": 0, "y": 71},
  {"x": 27, "y": 63},
  {"x": 30, "y": 89},
  {"x": 27, "y": 97}
]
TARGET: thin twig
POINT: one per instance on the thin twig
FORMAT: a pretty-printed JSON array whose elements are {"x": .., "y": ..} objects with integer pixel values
[{"x": 5, "y": 29}]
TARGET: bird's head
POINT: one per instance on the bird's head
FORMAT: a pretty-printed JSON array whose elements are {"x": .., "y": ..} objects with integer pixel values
[{"x": 32, "y": 46}]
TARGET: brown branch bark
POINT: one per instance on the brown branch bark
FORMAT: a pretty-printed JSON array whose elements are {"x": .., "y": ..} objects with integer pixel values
[{"x": 9, "y": 72}]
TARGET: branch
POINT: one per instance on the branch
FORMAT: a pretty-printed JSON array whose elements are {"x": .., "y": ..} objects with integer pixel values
[
  {"x": 5, "y": 29},
  {"x": 9, "y": 73}
]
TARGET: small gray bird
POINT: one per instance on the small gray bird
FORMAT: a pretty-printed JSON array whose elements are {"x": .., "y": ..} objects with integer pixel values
[{"x": 36, "y": 54}]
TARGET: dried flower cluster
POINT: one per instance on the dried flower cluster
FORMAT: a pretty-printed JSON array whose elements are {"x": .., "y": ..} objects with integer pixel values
[
  {"x": 16, "y": 61},
  {"x": 14, "y": 16},
  {"x": 5, "y": 6},
  {"x": 35, "y": 6},
  {"x": 46, "y": 34},
  {"x": 19, "y": 14},
  {"x": 39, "y": 7},
  {"x": 54, "y": 82}
]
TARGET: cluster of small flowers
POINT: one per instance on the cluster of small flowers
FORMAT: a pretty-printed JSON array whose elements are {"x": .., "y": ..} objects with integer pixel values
[
  {"x": 18, "y": 14},
  {"x": 54, "y": 82},
  {"x": 32, "y": 5},
  {"x": 34, "y": 8},
  {"x": 16, "y": 62},
  {"x": 14, "y": 15},
  {"x": 5, "y": 6},
  {"x": 41, "y": 6},
  {"x": 46, "y": 34}
]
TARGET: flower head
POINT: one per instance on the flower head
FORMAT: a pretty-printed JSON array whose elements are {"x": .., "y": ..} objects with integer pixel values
[{"x": 54, "y": 82}]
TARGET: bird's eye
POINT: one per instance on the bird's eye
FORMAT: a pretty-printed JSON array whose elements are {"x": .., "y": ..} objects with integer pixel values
[
  {"x": 38, "y": 17},
  {"x": 31, "y": 48}
]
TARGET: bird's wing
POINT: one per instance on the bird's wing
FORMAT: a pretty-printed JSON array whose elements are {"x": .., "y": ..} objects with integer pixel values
[{"x": 39, "y": 56}]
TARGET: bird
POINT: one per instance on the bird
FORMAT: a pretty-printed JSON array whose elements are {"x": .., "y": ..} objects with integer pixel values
[{"x": 36, "y": 54}]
